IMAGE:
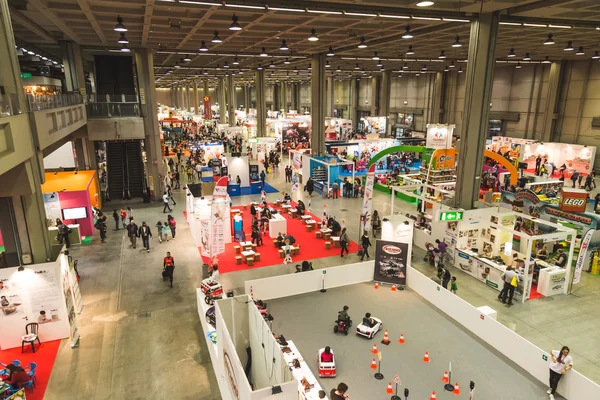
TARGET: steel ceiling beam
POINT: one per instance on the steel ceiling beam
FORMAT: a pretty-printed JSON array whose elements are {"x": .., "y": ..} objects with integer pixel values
[
  {"x": 42, "y": 7},
  {"x": 26, "y": 23},
  {"x": 85, "y": 7}
]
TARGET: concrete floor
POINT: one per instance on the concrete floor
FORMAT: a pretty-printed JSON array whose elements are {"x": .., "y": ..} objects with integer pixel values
[
  {"x": 142, "y": 337},
  {"x": 424, "y": 329}
]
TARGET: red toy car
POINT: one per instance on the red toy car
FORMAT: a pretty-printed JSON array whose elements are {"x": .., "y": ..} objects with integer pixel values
[
  {"x": 212, "y": 290},
  {"x": 326, "y": 368}
]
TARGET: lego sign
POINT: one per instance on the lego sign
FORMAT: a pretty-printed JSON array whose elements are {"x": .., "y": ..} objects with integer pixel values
[
  {"x": 439, "y": 136},
  {"x": 573, "y": 200}
]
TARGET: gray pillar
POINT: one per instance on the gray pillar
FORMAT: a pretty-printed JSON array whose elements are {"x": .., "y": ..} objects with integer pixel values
[
  {"x": 154, "y": 165},
  {"x": 195, "y": 94},
  {"x": 318, "y": 104},
  {"x": 438, "y": 94},
  {"x": 354, "y": 90},
  {"x": 374, "y": 98},
  {"x": 297, "y": 97},
  {"x": 548, "y": 120},
  {"x": 175, "y": 96},
  {"x": 479, "y": 77},
  {"x": 222, "y": 101},
  {"x": 10, "y": 72},
  {"x": 247, "y": 102},
  {"x": 276, "y": 102},
  {"x": 384, "y": 98},
  {"x": 188, "y": 99},
  {"x": 261, "y": 106},
  {"x": 231, "y": 100},
  {"x": 330, "y": 97},
  {"x": 284, "y": 98},
  {"x": 73, "y": 62}
]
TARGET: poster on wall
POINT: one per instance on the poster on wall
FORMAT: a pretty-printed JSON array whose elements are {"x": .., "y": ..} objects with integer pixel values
[
  {"x": 390, "y": 262},
  {"x": 71, "y": 311},
  {"x": 207, "y": 108},
  {"x": 297, "y": 161},
  {"x": 254, "y": 173},
  {"x": 219, "y": 219},
  {"x": 296, "y": 133},
  {"x": 439, "y": 136}
]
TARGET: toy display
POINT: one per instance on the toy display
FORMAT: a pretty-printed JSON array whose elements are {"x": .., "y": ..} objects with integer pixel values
[{"x": 211, "y": 317}]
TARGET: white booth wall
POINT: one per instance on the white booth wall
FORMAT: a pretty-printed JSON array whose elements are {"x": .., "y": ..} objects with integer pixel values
[{"x": 239, "y": 166}]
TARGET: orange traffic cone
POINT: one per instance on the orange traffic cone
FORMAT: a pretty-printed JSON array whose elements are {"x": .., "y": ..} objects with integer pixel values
[
  {"x": 456, "y": 390},
  {"x": 376, "y": 285},
  {"x": 393, "y": 288},
  {"x": 433, "y": 396},
  {"x": 374, "y": 349},
  {"x": 386, "y": 338},
  {"x": 401, "y": 340},
  {"x": 445, "y": 378},
  {"x": 373, "y": 364},
  {"x": 390, "y": 389},
  {"x": 426, "y": 357}
]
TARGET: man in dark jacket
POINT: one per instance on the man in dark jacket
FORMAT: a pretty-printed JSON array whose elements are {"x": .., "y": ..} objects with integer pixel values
[
  {"x": 310, "y": 186},
  {"x": 145, "y": 233},
  {"x": 132, "y": 232},
  {"x": 340, "y": 392},
  {"x": 365, "y": 243}
]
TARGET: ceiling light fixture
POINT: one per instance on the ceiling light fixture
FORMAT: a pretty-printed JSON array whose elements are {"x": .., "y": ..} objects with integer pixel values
[
  {"x": 527, "y": 57},
  {"x": 452, "y": 64},
  {"x": 379, "y": 64},
  {"x": 424, "y": 68},
  {"x": 569, "y": 46},
  {"x": 407, "y": 34},
  {"x": 263, "y": 52},
  {"x": 187, "y": 59},
  {"x": 125, "y": 49},
  {"x": 457, "y": 42},
  {"x": 287, "y": 61},
  {"x": 225, "y": 65},
  {"x": 580, "y": 51},
  {"x": 357, "y": 67},
  {"x": 446, "y": 69},
  {"x": 511, "y": 53},
  {"x": 205, "y": 72},
  {"x": 235, "y": 26},
  {"x": 119, "y": 27},
  {"x": 362, "y": 44},
  {"x": 327, "y": 65},
  {"x": 283, "y": 46},
  {"x": 425, "y": 3},
  {"x": 549, "y": 40},
  {"x": 596, "y": 55},
  {"x": 313, "y": 36},
  {"x": 122, "y": 38},
  {"x": 405, "y": 66},
  {"x": 546, "y": 60},
  {"x": 442, "y": 55},
  {"x": 259, "y": 67},
  {"x": 518, "y": 66},
  {"x": 417, "y": 74},
  {"x": 375, "y": 56},
  {"x": 330, "y": 53},
  {"x": 235, "y": 61},
  {"x": 203, "y": 46},
  {"x": 338, "y": 69},
  {"x": 460, "y": 70},
  {"x": 216, "y": 38},
  {"x": 410, "y": 51},
  {"x": 272, "y": 65}
]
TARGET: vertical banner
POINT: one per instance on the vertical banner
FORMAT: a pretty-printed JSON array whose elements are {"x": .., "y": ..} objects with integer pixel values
[
  {"x": 219, "y": 218},
  {"x": 585, "y": 243},
  {"x": 207, "y": 108},
  {"x": 70, "y": 302},
  {"x": 368, "y": 200},
  {"x": 390, "y": 262},
  {"x": 205, "y": 237}
]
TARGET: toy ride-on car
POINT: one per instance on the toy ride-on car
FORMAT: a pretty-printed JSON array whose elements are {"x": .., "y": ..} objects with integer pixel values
[
  {"x": 342, "y": 326},
  {"x": 212, "y": 291},
  {"x": 326, "y": 368},
  {"x": 368, "y": 331}
]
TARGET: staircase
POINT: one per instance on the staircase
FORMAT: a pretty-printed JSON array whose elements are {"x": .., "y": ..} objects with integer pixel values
[{"x": 125, "y": 169}]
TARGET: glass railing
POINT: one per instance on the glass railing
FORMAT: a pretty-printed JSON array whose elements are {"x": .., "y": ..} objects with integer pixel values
[
  {"x": 9, "y": 105},
  {"x": 112, "y": 106},
  {"x": 38, "y": 102}
]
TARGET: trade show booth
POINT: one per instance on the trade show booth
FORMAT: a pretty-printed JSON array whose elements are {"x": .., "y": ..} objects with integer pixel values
[
  {"x": 325, "y": 170},
  {"x": 372, "y": 125},
  {"x": 338, "y": 129}
]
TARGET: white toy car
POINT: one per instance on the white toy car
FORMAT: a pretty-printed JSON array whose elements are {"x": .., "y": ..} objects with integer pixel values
[
  {"x": 326, "y": 369},
  {"x": 367, "y": 331}
]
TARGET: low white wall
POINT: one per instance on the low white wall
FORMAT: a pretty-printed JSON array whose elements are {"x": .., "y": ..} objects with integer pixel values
[{"x": 310, "y": 281}]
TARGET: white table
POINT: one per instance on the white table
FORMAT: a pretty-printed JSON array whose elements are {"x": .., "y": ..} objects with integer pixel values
[
  {"x": 305, "y": 218},
  {"x": 277, "y": 224},
  {"x": 247, "y": 253},
  {"x": 286, "y": 206},
  {"x": 243, "y": 245},
  {"x": 336, "y": 241},
  {"x": 302, "y": 372}
]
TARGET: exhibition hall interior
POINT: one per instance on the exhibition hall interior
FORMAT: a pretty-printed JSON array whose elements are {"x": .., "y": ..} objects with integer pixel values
[{"x": 285, "y": 199}]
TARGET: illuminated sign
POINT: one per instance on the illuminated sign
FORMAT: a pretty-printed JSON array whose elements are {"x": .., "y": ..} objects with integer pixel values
[{"x": 451, "y": 215}]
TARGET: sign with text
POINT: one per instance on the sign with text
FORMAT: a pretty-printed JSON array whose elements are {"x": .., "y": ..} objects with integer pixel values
[
  {"x": 390, "y": 262},
  {"x": 573, "y": 200},
  {"x": 439, "y": 136}
]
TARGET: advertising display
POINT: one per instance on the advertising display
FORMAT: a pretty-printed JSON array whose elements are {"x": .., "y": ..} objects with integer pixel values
[
  {"x": 220, "y": 224},
  {"x": 296, "y": 133},
  {"x": 573, "y": 200},
  {"x": 439, "y": 136},
  {"x": 205, "y": 237},
  {"x": 338, "y": 129},
  {"x": 368, "y": 199},
  {"x": 373, "y": 125},
  {"x": 390, "y": 262},
  {"x": 254, "y": 172}
]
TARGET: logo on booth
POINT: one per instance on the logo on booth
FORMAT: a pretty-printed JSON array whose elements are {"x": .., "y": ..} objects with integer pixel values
[
  {"x": 391, "y": 249},
  {"x": 574, "y": 202}
]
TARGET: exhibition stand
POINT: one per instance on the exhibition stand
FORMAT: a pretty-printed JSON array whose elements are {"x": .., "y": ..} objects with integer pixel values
[
  {"x": 338, "y": 129},
  {"x": 324, "y": 170},
  {"x": 261, "y": 147},
  {"x": 296, "y": 160},
  {"x": 372, "y": 125},
  {"x": 71, "y": 196}
]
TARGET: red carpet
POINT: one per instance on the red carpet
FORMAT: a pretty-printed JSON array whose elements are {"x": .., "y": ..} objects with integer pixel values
[
  {"x": 534, "y": 293},
  {"x": 44, "y": 357},
  {"x": 311, "y": 248}
]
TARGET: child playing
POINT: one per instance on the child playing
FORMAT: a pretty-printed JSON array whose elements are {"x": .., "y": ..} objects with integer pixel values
[
  {"x": 165, "y": 231},
  {"x": 453, "y": 285},
  {"x": 159, "y": 228},
  {"x": 287, "y": 249}
]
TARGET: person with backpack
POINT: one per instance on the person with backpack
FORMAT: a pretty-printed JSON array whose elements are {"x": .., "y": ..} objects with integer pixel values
[
  {"x": 168, "y": 268},
  {"x": 132, "y": 232},
  {"x": 172, "y": 225}
]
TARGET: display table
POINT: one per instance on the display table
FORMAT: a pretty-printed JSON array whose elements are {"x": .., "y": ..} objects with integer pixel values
[
  {"x": 246, "y": 254},
  {"x": 305, "y": 218},
  {"x": 234, "y": 189},
  {"x": 246, "y": 245},
  {"x": 302, "y": 372},
  {"x": 551, "y": 279},
  {"x": 483, "y": 269},
  {"x": 277, "y": 224},
  {"x": 74, "y": 236}
]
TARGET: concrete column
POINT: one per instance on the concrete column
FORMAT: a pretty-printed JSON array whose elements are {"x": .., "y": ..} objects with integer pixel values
[
  {"x": 73, "y": 62},
  {"x": 384, "y": 98},
  {"x": 188, "y": 93},
  {"x": 10, "y": 72},
  {"x": 222, "y": 101},
  {"x": 479, "y": 78},
  {"x": 374, "y": 97},
  {"x": 261, "y": 106},
  {"x": 284, "y": 98},
  {"x": 548, "y": 120},
  {"x": 231, "y": 100},
  {"x": 438, "y": 95},
  {"x": 35, "y": 213},
  {"x": 154, "y": 165},
  {"x": 330, "y": 96},
  {"x": 318, "y": 104},
  {"x": 196, "y": 109},
  {"x": 353, "y": 103},
  {"x": 247, "y": 102}
]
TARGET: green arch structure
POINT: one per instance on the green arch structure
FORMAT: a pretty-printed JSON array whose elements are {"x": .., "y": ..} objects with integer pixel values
[{"x": 394, "y": 149}]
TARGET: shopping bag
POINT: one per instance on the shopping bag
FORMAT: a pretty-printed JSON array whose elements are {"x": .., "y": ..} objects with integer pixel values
[{"x": 515, "y": 281}]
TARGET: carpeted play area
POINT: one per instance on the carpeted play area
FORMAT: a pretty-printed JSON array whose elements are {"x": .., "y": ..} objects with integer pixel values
[
  {"x": 308, "y": 321},
  {"x": 44, "y": 357},
  {"x": 311, "y": 247}
]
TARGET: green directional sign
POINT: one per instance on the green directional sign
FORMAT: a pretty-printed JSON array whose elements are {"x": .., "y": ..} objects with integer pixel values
[
  {"x": 451, "y": 215},
  {"x": 253, "y": 140},
  {"x": 26, "y": 75}
]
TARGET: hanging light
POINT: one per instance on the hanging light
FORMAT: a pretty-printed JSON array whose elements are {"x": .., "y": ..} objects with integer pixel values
[
  {"x": 375, "y": 56},
  {"x": 283, "y": 46},
  {"x": 424, "y": 68},
  {"x": 216, "y": 38},
  {"x": 452, "y": 64},
  {"x": 549, "y": 40},
  {"x": 410, "y": 51},
  {"x": 442, "y": 55},
  {"x": 287, "y": 61},
  {"x": 235, "y": 61},
  {"x": 405, "y": 66},
  {"x": 330, "y": 53},
  {"x": 327, "y": 65},
  {"x": 235, "y": 26},
  {"x": 122, "y": 38},
  {"x": 119, "y": 27},
  {"x": 511, "y": 53},
  {"x": 381, "y": 67},
  {"x": 527, "y": 57},
  {"x": 546, "y": 60},
  {"x": 338, "y": 69},
  {"x": 259, "y": 67},
  {"x": 596, "y": 55},
  {"x": 379, "y": 64},
  {"x": 446, "y": 69},
  {"x": 357, "y": 67},
  {"x": 569, "y": 46},
  {"x": 225, "y": 65},
  {"x": 580, "y": 51},
  {"x": 407, "y": 34},
  {"x": 457, "y": 42},
  {"x": 125, "y": 49},
  {"x": 203, "y": 46},
  {"x": 205, "y": 72},
  {"x": 362, "y": 44},
  {"x": 187, "y": 59},
  {"x": 425, "y": 3},
  {"x": 417, "y": 74},
  {"x": 272, "y": 65},
  {"x": 263, "y": 52},
  {"x": 518, "y": 66},
  {"x": 460, "y": 70},
  {"x": 313, "y": 36}
]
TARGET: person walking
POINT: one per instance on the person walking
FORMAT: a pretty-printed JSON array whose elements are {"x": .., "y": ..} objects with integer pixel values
[
  {"x": 262, "y": 177},
  {"x": 101, "y": 225},
  {"x": 508, "y": 277},
  {"x": 574, "y": 178},
  {"x": 132, "y": 232},
  {"x": 453, "y": 285},
  {"x": 129, "y": 213},
  {"x": 63, "y": 233},
  {"x": 561, "y": 362},
  {"x": 116, "y": 218},
  {"x": 172, "y": 225},
  {"x": 588, "y": 183},
  {"x": 168, "y": 268},
  {"x": 344, "y": 241},
  {"x": 124, "y": 218},
  {"x": 166, "y": 203},
  {"x": 145, "y": 233},
  {"x": 365, "y": 243},
  {"x": 165, "y": 231},
  {"x": 159, "y": 229},
  {"x": 310, "y": 186},
  {"x": 335, "y": 188}
]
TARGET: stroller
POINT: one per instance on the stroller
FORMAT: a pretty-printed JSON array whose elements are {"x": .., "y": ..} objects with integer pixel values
[{"x": 429, "y": 256}]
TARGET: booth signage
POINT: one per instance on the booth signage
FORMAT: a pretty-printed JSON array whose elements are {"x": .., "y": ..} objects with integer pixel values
[
  {"x": 585, "y": 243},
  {"x": 451, "y": 215},
  {"x": 390, "y": 262},
  {"x": 574, "y": 201},
  {"x": 26, "y": 75},
  {"x": 439, "y": 136}
]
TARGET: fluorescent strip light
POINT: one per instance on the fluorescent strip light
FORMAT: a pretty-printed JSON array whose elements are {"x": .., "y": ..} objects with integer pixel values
[
  {"x": 560, "y": 26},
  {"x": 244, "y": 6},
  {"x": 535, "y": 25},
  {"x": 394, "y": 16},
  {"x": 360, "y": 14},
  {"x": 427, "y": 18},
  {"x": 511, "y": 23},
  {"x": 323, "y": 12},
  {"x": 455, "y": 20},
  {"x": 286, "y": 9},
  {"x": 200, "y": 3}
]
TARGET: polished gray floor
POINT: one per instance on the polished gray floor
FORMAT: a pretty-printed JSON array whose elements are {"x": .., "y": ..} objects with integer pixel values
[{"x": 142, "y": 338}]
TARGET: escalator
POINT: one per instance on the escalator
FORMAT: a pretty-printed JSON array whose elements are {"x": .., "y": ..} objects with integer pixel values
[{"x": 125, "y": 169}]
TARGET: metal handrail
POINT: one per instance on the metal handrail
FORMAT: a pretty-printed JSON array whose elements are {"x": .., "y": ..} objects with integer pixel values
[
  {"x": 9, "y": 105},
  {"x": 38, "y": 102}
]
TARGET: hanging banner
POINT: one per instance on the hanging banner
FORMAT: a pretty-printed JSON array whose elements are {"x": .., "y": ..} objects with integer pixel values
[
  {"x": 297, "y": 161},
  {"x": 205, "y": 237},
  {"x": 368, "y": 200},
  {"x": 585, "y": 243},
  {"x": 390, "y": 262},
  {"x": 207, "y": 108},
  {"x": 439, "y": 136},
  {"x": 219, "y": 218}
]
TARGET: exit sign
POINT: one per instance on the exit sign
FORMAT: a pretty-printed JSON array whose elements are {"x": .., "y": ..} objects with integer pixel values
[
  {"x": 451, "y": 215},
  {"x": 26, "y": 75},
  {"x": 253, "y": 140},
  {"x": 544, "y": 357}
]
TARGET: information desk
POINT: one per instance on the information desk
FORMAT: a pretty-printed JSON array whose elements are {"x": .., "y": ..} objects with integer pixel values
[
  {"x": 277, "y": 224},
  {"x": 551, "y": 279},
  {"x": 302, "y": 372}
]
